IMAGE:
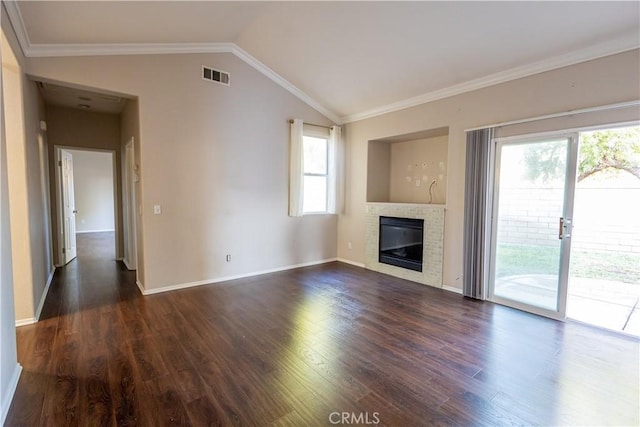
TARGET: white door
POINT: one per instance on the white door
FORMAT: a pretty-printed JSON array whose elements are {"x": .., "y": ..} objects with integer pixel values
[{"x": 68, "y": 207}]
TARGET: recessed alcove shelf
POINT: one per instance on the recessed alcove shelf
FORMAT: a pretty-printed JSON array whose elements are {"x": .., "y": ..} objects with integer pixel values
[{"x": 402, "y": 168}]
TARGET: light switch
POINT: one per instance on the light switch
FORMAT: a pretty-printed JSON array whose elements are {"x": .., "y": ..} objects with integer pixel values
[{"x": 157, "y": 209}]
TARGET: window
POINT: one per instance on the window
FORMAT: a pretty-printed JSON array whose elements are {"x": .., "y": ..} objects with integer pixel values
[
  {"x": 315, "y": 169},
  {"x": 316, "y": 174}
]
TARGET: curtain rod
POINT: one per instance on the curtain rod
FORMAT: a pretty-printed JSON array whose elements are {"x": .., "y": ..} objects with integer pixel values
[
  {"x": 312, "y": 124},
  {"x": 562, "y": 114}
]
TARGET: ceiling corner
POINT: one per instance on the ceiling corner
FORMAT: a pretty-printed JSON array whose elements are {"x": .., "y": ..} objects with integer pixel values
[{"x": 277, "y": 78}]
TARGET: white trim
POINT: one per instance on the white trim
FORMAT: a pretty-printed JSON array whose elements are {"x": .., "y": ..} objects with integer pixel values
[
  {"x": 616, "y": 106},
  {"x": 45, "y": 293},
  {"x": 565, "y": 132},
  {"x": 452, "y": 289},
  {"x": 25, "y": 322},
  {"x": 277, "y": 78},
  {"x": 95, "y": 231},
  {"x": 32, "y": 320},
  {"x": 55, "y": 50},
  {"x": 7, "y": 397},
  {"x": 15, "y": 16},
  {"x": 126, "y": 263},
  {"x": 107, "y": 49},
  {"x": 354, "y": 263},
  {"x": 619, "y": 45},
  {"x": 101, "y": 49},
  {"x": 140, "y": 287},
  {"x": 227, "y": 278}
]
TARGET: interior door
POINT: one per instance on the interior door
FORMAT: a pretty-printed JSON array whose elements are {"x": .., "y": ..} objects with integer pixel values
[
  {"x": 534, "y": 184},
  {"x": 69, "y": 206}
]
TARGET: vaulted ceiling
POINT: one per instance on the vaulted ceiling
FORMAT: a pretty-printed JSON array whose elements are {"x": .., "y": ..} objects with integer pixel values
[{"x": 354, "y": 59}]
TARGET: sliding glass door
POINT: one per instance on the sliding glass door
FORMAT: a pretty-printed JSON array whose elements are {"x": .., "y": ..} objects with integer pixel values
[{"x": 534, "y": 183}]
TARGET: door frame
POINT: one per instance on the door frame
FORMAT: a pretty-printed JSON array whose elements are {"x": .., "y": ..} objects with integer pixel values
[
  {"x": 59, "y": 202},
  {"x": 567, "y": 212},
  {"x": 130, "y": 201}
]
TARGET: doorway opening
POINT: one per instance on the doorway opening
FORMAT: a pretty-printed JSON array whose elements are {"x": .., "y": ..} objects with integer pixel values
[
  {"x": 566, "y": 228},
  {"x": 86, "y": 202}
]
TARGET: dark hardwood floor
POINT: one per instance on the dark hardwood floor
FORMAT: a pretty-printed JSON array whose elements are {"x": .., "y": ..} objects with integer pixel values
[{"x": 301, "y": 347}]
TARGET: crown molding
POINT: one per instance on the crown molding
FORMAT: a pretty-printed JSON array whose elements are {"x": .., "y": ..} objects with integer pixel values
[
  {"x": 15, "y": 17},
  {"x": 36, "y": 50},
  {"x": 268, "y": 72},
  {"x": 621, "y": 44},
  {"x": 57, "y": 50},
  {"x": 95, "y": 49}
]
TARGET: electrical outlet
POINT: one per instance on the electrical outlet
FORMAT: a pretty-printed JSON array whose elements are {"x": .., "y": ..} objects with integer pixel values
[
  {"x": 349, "y": 245},
  {"x": 157, "y": 209}
]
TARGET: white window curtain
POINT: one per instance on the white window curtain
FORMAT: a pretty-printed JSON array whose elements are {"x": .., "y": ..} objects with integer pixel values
[
  {"x": 336, "y": 171},
  {"x": 296, "y": 171}
]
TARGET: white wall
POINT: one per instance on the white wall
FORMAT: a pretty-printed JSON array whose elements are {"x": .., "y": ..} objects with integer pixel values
[
  {"x": 215, "y": 158},
  {"x": 9, "y": 367},
  {"x": 93, "y": 187},
  {"x": 604, "y": 81},
  {"x": 27, "y": 181}
]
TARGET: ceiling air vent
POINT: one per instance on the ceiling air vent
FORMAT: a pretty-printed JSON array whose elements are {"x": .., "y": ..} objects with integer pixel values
[{"x": 217, "y": 76}]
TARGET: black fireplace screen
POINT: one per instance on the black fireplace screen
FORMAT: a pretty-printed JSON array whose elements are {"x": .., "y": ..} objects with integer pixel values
[{"x": 401, "y": 242}]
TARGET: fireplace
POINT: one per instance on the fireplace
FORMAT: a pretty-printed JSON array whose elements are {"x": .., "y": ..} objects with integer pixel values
[{"x": 401, "y": 242}]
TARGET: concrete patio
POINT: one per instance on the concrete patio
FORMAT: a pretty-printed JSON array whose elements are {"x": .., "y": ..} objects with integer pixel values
[{"x": 603, "y": 303}]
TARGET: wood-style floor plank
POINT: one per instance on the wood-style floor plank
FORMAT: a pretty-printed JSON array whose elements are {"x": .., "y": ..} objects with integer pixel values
[{"x": 303, "y": 348}]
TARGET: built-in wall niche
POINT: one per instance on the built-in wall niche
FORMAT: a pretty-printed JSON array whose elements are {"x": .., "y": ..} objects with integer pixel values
[{"x": 410, "y": 168}]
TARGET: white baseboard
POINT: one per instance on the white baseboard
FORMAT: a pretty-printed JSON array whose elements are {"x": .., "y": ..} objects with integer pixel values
[
  {"x": 94, "y": 231},
  {"x": 7, "y": 395},
  {"x": 126, "y": 264},
  {"x": 452, "y": 289},
  {"x": 45, "y": 293},
  {"x": 27, "y": 321},
  {"x": 227, "y": 278},
  {"x": 32, "y": 320},
  {"x": 346, "y": 261},
  {"x": 142, "y": 291}
]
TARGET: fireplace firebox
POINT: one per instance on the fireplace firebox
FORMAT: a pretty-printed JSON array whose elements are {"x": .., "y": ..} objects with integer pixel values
[{"x": 401, "y": 242}]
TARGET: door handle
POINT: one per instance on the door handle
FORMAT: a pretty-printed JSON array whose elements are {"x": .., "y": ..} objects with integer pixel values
[
  {"x": 75, "y": 211},
  {"x": 564, "y": 229}
]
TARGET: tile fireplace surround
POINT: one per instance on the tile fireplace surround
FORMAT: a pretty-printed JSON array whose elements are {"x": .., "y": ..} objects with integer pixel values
[{"x": 433, "y": 242}]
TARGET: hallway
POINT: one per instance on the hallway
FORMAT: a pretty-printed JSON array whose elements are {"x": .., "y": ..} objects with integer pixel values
[{"x": 65, "y": 356}]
